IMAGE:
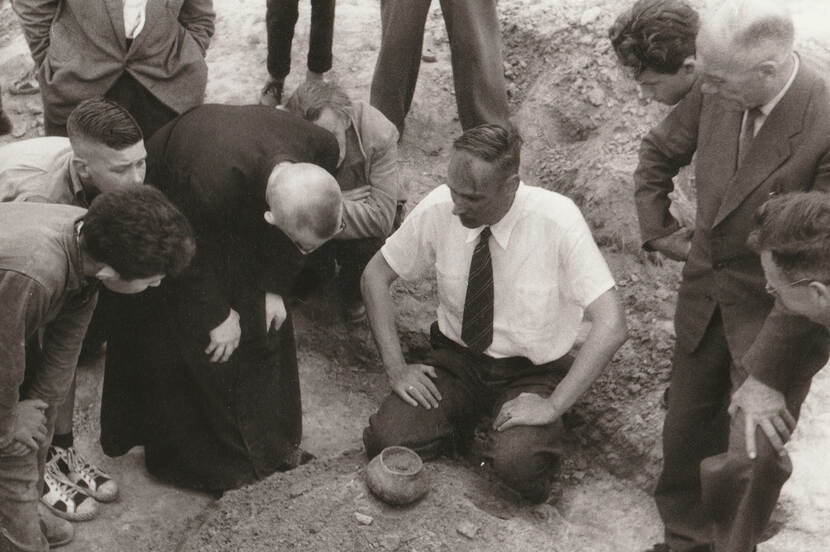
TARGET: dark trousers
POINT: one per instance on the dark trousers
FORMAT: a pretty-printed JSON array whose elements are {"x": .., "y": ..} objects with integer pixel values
[
  {"x": 148, "y": 111},
  {"x": 475, "y": 44},
  {"x": 474, "y": 386},
  {"x": 280, "y": 18},
  {"x": 710, "y": 492}
]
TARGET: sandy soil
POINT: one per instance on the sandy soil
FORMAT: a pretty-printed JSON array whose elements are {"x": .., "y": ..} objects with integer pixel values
[{"x": 581, "y": 122}]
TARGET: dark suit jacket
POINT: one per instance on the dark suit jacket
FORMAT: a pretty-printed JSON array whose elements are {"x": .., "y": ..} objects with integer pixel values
[
  {"x": 213, "y": 162},
  {"x": 80, "y": 50},
  {"x": 791, "y": 152}
]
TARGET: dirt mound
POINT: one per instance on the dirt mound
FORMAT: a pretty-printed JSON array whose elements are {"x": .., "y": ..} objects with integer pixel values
[{"x": 326, "y": 506}]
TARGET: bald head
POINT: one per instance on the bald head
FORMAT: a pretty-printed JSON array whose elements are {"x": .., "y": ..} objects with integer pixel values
[
  {"x": 747, "y": 32},
  {"x": 304, "y": 201}
]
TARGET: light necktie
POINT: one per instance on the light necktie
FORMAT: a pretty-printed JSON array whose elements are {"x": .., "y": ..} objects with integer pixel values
[{"x": 477, "y": 323}]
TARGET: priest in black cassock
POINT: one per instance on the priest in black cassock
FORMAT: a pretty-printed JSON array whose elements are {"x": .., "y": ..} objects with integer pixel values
[{"x": 203, "y": 371}]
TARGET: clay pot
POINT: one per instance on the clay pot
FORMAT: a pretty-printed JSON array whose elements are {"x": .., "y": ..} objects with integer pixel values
[{"x": 396, "y": 476}]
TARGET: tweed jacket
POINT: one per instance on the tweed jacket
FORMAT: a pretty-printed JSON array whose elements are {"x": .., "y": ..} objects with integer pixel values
[
  {"x": 791, "y": 152},
  {"x": 378, "y": 142},
  {"x": 80, "y": 49}
]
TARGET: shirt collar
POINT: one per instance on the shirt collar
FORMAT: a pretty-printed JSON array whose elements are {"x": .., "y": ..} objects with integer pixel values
[
  {"x": 504, "y": 227},
  {"x": 767, "y": 108},
  {"x": 75, "y": 185}
]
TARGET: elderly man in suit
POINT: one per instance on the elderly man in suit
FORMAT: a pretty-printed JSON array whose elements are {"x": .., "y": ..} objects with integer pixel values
[
  {"x": 759, "y": 120},
  {"x": 147, "y": 55},
  {"x": 203, "y": 372}
]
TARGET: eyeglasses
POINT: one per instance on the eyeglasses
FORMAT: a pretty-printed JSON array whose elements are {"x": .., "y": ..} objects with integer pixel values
[
  {"x": 310, "y": 250},
  {"x": 776, "y": 291}
]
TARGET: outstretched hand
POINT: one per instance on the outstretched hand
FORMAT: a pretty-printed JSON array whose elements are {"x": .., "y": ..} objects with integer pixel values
[
  {"x": 528, "y": 409},
  {"x": 766, "y": 407},
  {"x": 413, "y": 383}
]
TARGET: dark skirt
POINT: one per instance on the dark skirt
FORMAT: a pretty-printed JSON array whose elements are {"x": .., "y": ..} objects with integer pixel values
[{"x": 203, "y": 425}]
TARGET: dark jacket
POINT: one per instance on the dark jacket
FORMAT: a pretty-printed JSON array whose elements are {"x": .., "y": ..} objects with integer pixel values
[
  {"x": 213, "y": 162},
  {"x": 791, "y": 152}
]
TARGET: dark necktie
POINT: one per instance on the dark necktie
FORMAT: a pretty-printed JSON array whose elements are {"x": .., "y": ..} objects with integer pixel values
[
  {"x": 477, "y": 324},
  {"x": 748, "y": 134}
]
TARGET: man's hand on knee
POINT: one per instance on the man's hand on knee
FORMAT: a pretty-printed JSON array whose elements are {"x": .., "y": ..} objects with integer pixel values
[
  {"x": 29, "y": 429},
  {"x": 413, "y": 383},
  {"x": 766, "y": 407},
  {"x": 528, "y": 409}
]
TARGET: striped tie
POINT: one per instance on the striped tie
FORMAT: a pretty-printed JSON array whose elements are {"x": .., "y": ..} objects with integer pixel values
[{"x": 477, "y": 324}]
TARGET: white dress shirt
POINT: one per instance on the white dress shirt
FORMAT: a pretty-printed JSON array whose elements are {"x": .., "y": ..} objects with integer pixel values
[
  {"x": 135, "y": 14},
  {"x": 546, "y": 269}
]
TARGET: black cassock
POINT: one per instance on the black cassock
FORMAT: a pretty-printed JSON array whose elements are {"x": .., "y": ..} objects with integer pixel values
[{"x": 206, "y": 425}]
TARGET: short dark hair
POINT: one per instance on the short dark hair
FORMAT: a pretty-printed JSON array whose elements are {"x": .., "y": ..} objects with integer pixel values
[
  {"x": 138, "y": 232},
  {"x": 795, "y": 229},
  {"x": 103, "y": 121},
  {"x": 494, "y": 144},
  {"x": 655, "y": 34},
  {"x": 311, "y": 97}
]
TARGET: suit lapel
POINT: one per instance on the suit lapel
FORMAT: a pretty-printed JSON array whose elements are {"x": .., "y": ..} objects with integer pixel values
[
  {"x": 116, "y": 12},
  {"x": 149, "y": 16},
  {"x": 772, "y": 145}
]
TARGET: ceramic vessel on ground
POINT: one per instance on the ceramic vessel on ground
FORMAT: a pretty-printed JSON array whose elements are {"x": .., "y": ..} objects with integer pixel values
[{"x": 396, "y": 476}]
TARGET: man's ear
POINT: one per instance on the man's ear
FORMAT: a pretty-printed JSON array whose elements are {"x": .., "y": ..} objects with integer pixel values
[
  {"x": 107, "y": 273},
  {"x": 80, "y": 166},
  {"x": 767, "y": 68},
  {"x": 269, "y": 218},
  {"x": 689, "y": 65},
  {"x": 512, "y": 183},
  {"x": 821, "y": 293}
]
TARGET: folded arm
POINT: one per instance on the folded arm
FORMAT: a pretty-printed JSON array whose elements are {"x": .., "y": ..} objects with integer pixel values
[{"x": 374, "y": 215}]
